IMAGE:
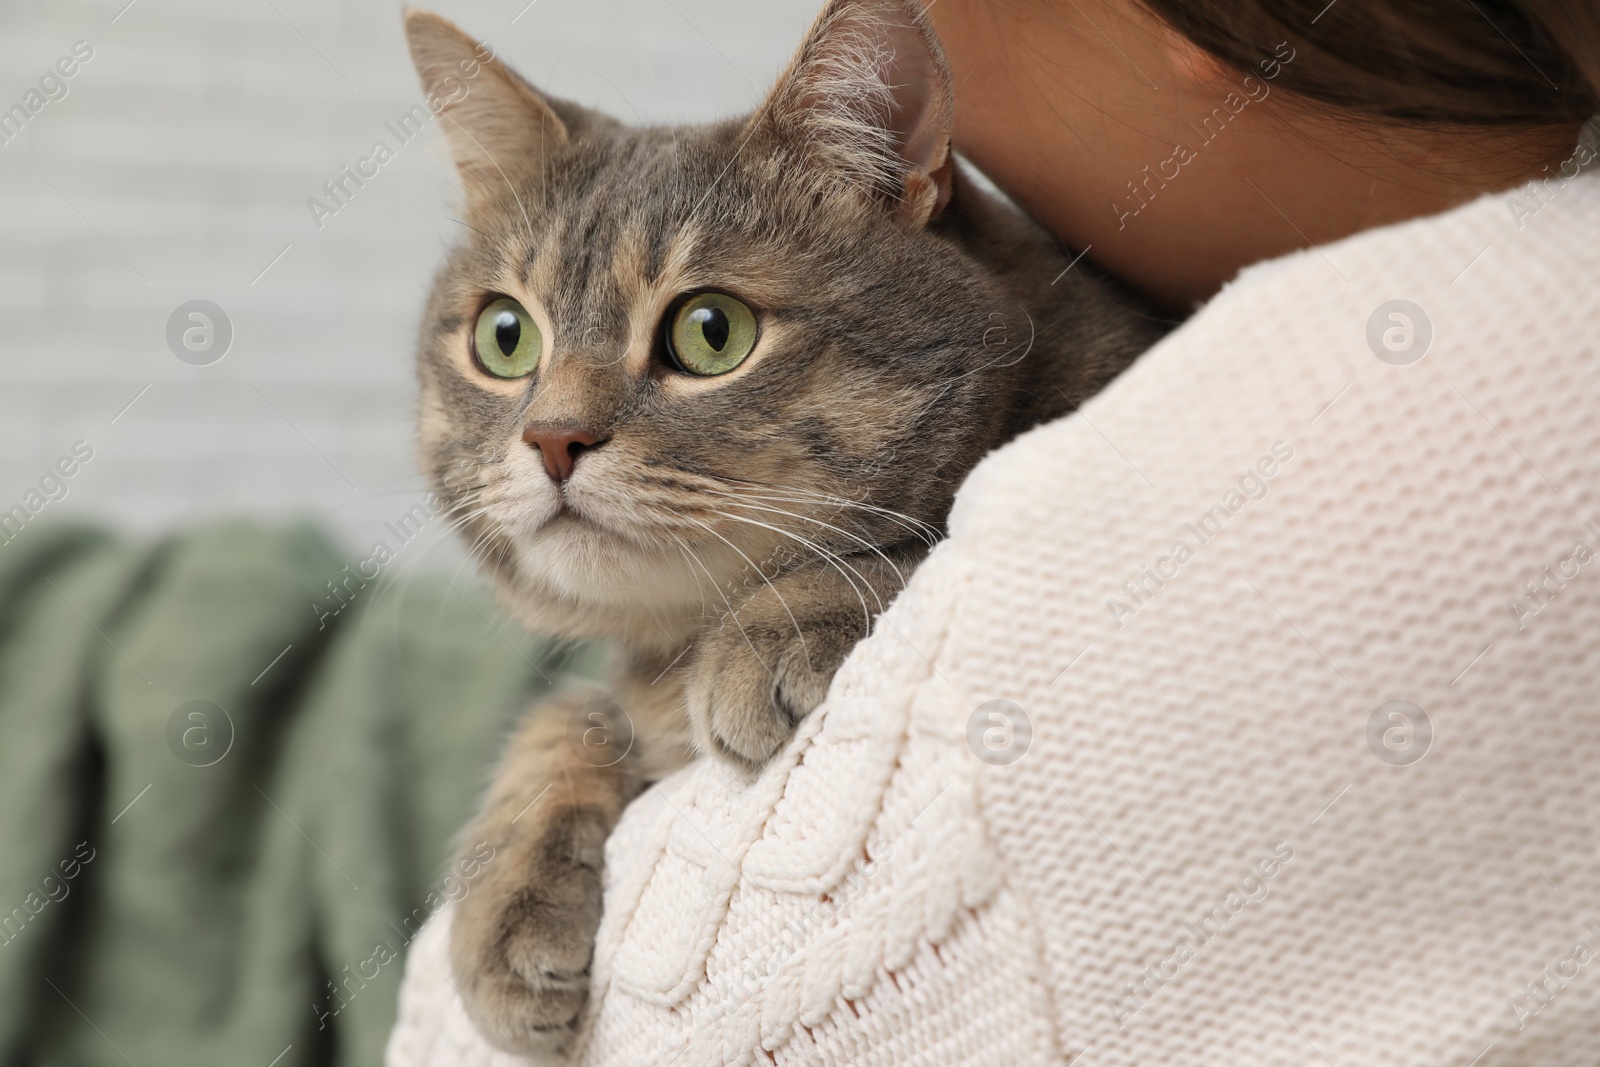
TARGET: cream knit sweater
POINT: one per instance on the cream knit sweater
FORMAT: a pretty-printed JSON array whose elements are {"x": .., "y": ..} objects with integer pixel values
[{"x": 1200, "y": 832}]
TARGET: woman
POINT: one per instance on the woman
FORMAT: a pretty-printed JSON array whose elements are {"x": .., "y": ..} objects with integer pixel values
[{"x": 1247, "y": 716}]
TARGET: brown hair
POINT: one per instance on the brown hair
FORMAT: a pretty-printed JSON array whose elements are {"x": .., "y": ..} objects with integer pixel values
[{"x": 1432, "y": 62}]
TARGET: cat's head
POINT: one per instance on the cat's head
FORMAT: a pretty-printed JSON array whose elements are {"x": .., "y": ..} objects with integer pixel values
[{"x": 665, "y": 358}]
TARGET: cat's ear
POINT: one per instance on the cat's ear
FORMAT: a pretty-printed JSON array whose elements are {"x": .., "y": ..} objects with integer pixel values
[
  {"x": 868, "y": 100},
  {"x": 497, "y": 126}
]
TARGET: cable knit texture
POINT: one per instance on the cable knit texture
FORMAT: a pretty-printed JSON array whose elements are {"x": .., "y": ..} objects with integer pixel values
[{"x": 1214, "y": 847}]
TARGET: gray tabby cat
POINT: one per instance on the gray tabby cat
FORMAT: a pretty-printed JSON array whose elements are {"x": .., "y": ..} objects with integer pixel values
[{"x": 707, "y": 392}]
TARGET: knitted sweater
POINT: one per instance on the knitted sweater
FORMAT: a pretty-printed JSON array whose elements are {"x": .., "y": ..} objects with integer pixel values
[{"x": 1247, "y": 717}]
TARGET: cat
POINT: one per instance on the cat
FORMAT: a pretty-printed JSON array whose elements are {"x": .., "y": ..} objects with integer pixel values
[{"x": 707, "y": 392}]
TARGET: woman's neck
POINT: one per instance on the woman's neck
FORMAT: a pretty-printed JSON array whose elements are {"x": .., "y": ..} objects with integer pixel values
[{"x": 1175, "y": 172}]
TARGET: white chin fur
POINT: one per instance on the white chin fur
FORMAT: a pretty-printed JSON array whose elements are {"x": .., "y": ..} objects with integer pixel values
[
  {"x": 582, "y": 562},
  {"x": 580, "y": 574}
]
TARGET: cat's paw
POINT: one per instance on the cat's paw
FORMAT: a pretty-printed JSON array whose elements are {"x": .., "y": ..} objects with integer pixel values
[
  {"x": 522, "y": 938},
  {"x": 758, "y": 675}
]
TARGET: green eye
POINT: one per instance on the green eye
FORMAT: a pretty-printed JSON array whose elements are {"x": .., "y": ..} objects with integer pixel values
[
  {"x": 711, "y": 333},
  {"x": 506, "y": 340}
]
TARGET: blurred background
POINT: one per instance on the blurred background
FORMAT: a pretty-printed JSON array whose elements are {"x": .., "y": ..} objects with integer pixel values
[{"x": 178, "y": 166}]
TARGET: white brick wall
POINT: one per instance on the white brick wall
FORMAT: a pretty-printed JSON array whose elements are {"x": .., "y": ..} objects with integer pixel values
[{"x": 190, "y": 143}]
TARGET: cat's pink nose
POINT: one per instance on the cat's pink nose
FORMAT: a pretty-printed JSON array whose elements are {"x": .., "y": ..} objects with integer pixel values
[{"x": 560, "y": 445}]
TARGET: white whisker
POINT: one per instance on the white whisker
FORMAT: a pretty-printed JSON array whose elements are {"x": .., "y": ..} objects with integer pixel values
[
  {"x": 796, "y": 623},
  {"x": 731, "y": 613},
  {"x": 870, "y": 546},
  {"x": 796, "y": 495},
  {"x": 825, "y": 556}
]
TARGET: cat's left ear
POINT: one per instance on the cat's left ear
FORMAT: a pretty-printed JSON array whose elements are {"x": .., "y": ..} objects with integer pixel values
[{"x": 869, "y": 101}]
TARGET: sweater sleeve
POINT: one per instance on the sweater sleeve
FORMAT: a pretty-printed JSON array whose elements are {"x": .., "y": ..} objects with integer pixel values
[{"x": 1245, "y": 717}]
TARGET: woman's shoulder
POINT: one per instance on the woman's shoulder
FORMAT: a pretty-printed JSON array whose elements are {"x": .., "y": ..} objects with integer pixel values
[{"x": 1501, "y": 285}]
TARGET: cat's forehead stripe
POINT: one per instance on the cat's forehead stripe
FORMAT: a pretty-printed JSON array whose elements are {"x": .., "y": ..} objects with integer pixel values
[
  {"x": 585, "y": 239},
  {"x": 628, "y": 256}
]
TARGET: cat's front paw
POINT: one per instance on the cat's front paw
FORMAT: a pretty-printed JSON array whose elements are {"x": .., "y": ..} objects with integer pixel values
[
  {"x": 522, "y": 938},
  {"x": 759, "y": 674}
]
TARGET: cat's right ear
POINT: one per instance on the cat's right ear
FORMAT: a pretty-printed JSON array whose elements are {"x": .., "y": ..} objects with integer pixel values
[{"x": 499, "y": 129}]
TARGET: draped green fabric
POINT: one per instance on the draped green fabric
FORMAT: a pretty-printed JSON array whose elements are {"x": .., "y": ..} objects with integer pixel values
[{"x": 225, "y": 810}]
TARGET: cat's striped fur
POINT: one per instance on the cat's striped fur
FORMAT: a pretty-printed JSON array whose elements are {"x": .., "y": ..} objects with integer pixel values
[{"x": 734, "y": 536}]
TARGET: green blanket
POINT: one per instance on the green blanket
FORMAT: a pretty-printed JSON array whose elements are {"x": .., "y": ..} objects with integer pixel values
[{"x": 228, "y": 791}]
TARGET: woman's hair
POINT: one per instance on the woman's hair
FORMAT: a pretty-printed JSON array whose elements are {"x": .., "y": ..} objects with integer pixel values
[{"x": 1433, "y": 62}]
